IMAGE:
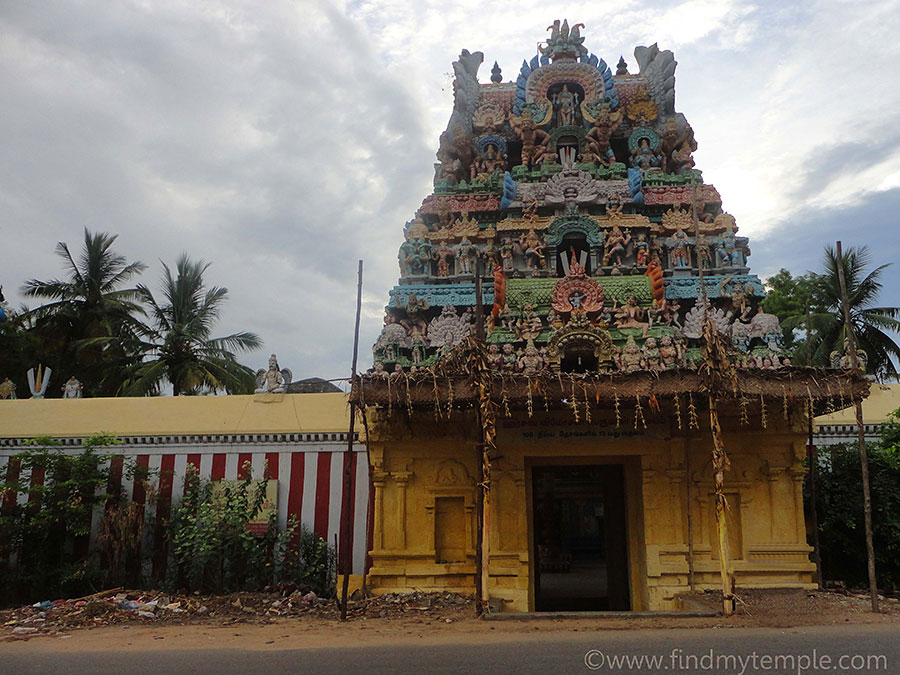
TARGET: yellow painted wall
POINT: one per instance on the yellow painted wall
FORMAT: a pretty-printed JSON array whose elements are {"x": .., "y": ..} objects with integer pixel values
[
  {"x": 168, "y": 415},
  {"x": 883, "y": 399},
  {"x": 417, "y": 462}
]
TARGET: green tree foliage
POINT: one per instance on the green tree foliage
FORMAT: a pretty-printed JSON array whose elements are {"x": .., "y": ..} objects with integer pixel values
[
  {"x": 88, "y": 326},
  {"x": 874, "y": 326},
  {"x": 19, "y": 348},
  {"x": 46, "y": 524},
  {"x": 787, "y": 298},
  {"x": 178, "y": 347},
  {"x": 215, "y": 551},
  {"x": 840, "y": 508}
]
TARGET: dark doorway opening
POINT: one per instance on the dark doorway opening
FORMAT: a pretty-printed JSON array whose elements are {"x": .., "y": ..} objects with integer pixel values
[
  {"x": 579, "y": 358},
  {"x": 580, "y": 546}
]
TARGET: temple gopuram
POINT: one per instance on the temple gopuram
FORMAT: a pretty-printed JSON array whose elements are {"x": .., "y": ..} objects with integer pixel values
[{"x": 577, "y": 401}]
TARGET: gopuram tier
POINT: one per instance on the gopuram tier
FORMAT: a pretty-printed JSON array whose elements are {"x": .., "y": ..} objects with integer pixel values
[{"x": 573, "y": 192}]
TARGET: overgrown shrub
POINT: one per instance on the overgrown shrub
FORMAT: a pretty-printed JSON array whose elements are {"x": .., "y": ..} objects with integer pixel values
[
  {"x": 45, "y": 527},
  {"x": 215, "y": 551},
  {"x": 45, "y": 524},
  {"x": 840, "y": 511}
]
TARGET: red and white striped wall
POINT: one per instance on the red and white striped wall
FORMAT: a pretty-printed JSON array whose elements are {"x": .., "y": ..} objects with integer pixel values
[{"x": 309, "y": 472}]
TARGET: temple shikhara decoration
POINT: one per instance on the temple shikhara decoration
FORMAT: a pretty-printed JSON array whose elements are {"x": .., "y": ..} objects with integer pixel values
[
  {"x": 575, "y": 314},
  {"x": 575, "y": 187}
]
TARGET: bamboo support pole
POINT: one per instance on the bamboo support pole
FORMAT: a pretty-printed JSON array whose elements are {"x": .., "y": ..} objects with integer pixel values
[
  {"x": 720, "y": 457},
  {"x": 860, "y": 431},
  {"x": 813, "y": 458},
  {"x": 482, "y": 543},
  {"x": 720, "y": 465}
]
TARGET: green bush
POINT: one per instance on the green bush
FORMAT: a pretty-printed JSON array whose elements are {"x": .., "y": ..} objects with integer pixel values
[
  {"x": 44, "y": 540},
  {"x": 215, "y": 551},
  {"x": 840, "y": 511}
]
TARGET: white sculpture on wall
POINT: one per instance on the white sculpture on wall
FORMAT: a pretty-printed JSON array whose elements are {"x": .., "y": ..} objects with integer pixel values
[
  {"x": 274, "y": 380},
  {"x": 37, "y": 383},
  {"x": 72, "y": 388}
]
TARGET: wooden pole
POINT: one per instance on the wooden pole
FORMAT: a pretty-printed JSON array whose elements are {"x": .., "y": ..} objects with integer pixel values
[
  {"x": 481, "y": 505},
  {"x": 720, "y": 457},
  {"x": 812, "y": 455},
  {"x": 690, "y": 519},
  {"x": 720, "y": 465},
  {"x": 345, "y": 553},
  {"x": 860, "y": 430}
]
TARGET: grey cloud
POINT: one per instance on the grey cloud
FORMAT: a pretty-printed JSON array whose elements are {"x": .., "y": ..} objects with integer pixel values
[
  {"x": 829, "y": 162},
  {"x": 278, "y": 152},
  {"x": 798, "y": 245}
]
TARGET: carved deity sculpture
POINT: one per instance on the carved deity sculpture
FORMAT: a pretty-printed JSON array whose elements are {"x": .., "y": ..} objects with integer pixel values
[
  {"x": 843, "y": 359},
  {"x": 729, "y": 254},
  {"x": 274, "y": 380},
  {"x": 644, "y": 157},
  {"x": 630, "y": 315},
  {"x": 456, "y": 152},
  {"x": 494, "y": 357},
  {"x": 443, "y": 255},
  {"x": 680, "y": 255},
  {"x": 704, "y": 253},
  {"x": 379, "y": 372},
  {"x": 652, "y": 357},
  {"x": 629, "y": 359},
  {"x": 665, "y": 312},
  {"x": 415, "y": 323},
  {"x": 535, "y": 141},
  {"x": 529, "y": 326},
  {"x": 669, "y": 354},
  {"x": 614, "y": 248},
  {"x": 534, "y": 250},
  {"x": 597, "y": 138},
  {"x": 564, "y": 103},
  {"x": 7, "y": 389},
  {"x": 641, "y": 251},
  {"x": 677, "y": 147},
  {"x": 72, "y": 388},
  {"x": 531, "y": 362},
  {"x": 510, "y": 361},
  {"x": 418, "y": 256},
  {"x": 466, "y": 252},
  {"x": 506, "y": 254},
  {"x": 488, "y": 164}
]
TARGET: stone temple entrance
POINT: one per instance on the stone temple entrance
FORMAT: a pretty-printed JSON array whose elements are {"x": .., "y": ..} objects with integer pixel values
[{"x": 580, "y": 551}]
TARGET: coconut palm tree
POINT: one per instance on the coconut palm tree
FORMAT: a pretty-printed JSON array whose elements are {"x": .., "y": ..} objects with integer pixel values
[
  {"x": 873, "y": 326},
  {"x": 89, "y": 324},
  {"x": 177, "y": 345}
]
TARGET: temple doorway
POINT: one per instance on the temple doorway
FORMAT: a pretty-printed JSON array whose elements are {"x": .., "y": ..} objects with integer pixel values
[{"x": 580, "y": 554}]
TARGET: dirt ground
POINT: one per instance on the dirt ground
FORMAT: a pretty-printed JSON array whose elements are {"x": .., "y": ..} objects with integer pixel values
[{"x": 264, "y": 621}]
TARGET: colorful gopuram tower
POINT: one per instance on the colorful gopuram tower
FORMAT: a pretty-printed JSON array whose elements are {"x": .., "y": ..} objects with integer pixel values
[
  {"x": 630, "y": 430},
  {"x": 575, "y": 187}
]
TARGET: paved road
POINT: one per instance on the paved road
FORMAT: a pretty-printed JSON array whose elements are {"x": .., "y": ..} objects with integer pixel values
[{"x": 865, "y": 649}]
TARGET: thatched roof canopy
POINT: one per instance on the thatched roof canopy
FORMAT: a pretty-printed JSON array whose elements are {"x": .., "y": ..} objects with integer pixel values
[{"x": 426, "y": 388}]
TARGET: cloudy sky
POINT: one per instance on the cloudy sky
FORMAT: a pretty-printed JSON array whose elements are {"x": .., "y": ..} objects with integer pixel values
[{"x": 284, "y": 140}]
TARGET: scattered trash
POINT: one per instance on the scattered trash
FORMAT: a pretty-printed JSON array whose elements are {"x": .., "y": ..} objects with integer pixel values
[{"x": 119, "y": 606}]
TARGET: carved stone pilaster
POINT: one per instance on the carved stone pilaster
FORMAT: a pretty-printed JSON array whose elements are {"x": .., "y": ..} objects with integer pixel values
[{"x": 401, "y": 479}]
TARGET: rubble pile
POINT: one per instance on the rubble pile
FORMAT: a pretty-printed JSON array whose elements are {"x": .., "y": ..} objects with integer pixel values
[{"x": 116, "y": 607}]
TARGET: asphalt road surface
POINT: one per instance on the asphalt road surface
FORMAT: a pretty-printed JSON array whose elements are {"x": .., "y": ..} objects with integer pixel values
[{"x": 839, "y": 649}]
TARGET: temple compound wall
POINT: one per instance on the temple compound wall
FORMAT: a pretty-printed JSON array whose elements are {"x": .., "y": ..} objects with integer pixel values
[
  {"x": 425, "y": 493},
  {"x": 296, "y": 441}
]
